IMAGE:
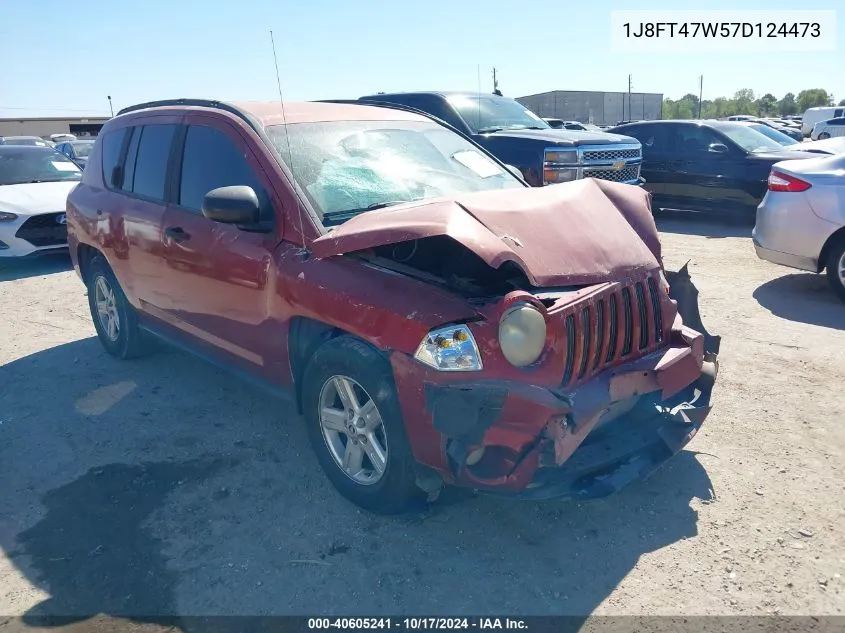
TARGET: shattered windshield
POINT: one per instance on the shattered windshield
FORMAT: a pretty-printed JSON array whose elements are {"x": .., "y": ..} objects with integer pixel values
[{"x": 350, "y": 167}]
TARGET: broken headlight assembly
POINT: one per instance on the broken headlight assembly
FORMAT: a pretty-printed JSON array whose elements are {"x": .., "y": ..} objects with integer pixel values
[
  {"x": 522, "y": 334},
  {"x": 450, "y": 348}
]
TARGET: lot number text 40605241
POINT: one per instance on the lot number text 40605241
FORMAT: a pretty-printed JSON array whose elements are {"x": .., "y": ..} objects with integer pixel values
[{"x": 417, "y": 623}]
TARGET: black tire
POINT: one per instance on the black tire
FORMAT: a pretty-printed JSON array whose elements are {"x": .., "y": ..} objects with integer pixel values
[
  {"x": 823, "y": 136},
  {"x": 396, "y": 490},
  {"x": 834, "y": 258},
  {"x": 130, "y": 341}
]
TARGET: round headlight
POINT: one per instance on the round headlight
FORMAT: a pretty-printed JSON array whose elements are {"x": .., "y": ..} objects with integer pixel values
[{"x": 522, "y": 334}]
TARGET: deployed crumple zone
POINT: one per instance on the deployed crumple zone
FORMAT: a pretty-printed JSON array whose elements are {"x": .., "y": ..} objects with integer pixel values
[{"x": 631, "y": 384}]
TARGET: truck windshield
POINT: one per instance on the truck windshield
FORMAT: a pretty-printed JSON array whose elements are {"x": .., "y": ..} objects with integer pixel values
[
  {"x": 489, "y": 113},
  {"x": 350, "y": 167},
  {"x": 21, "y": 164}
]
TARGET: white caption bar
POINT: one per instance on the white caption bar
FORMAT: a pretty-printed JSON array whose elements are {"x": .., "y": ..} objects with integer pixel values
[{"x": 722, "y": 31}]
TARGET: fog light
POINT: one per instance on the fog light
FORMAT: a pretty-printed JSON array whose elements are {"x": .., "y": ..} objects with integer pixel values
[
  {"x": 475, "y": 456},
  {"x": 3, "y": 245}
]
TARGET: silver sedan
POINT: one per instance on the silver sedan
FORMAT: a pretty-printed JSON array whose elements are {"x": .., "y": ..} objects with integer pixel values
[{"x": 801, "y": 219}]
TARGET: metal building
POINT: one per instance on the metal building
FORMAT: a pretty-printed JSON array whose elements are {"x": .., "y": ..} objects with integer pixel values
[
  {"x": 599, "y": 108},
  {"x": 44, "y": 127}
]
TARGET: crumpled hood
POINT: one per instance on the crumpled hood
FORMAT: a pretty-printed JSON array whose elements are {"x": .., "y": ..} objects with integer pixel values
[
  {"x": 35, "y": 197},
  {"x": 583, "y": 232}
]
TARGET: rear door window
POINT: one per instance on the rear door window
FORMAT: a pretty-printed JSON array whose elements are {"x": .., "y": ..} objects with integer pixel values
[
  {"x": 131, "y": 159},
  {"x": 112, "y": 144},
  {"x": 150, "y": 174}
]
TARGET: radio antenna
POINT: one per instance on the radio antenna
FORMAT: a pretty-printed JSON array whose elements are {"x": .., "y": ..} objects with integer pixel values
[
  {"x": 478, "y": 75},
  {"x": 287, "y": 141}
]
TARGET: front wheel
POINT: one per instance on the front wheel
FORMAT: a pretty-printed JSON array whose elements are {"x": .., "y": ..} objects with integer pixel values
[
  {"x": 355, "y": 426},
  {"x": 823, "y": 136},
  {"x": 836, "y": 268}
]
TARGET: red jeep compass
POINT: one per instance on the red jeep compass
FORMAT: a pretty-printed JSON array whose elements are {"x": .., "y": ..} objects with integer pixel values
[{"x": 434, "y": 318}]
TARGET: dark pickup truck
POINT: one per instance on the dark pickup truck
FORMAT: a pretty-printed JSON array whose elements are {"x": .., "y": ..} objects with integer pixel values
[{"x": 518, "y": 137}]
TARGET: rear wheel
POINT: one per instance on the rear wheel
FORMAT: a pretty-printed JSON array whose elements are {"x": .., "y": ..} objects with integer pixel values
[
  {"x": 355, "y": 426},
  {"x": 114, "y": 318},
  {"x": 836, "y": 268}
]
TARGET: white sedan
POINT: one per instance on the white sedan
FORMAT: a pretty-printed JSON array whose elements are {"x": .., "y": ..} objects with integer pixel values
[
  {"x": 828, "y": 129},
  {"x": 34, "y": 185}
]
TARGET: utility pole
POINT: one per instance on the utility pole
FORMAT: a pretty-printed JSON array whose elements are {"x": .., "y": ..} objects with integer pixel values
[
  {"x": 630, "y": 108},
  {"x": 700, "y": 93},
  {"x": 496, "y": 90},
  {"x": 110, "y": 106}
]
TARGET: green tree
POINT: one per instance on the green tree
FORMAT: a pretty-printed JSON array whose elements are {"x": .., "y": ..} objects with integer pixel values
[
  {"x": 842, "y": 103},
  {"x": 787, "y": 105},
  {"x": 744, "y": 102},
  {"x": 767, "y": 105},
  {"x": 812, "y": 98}
]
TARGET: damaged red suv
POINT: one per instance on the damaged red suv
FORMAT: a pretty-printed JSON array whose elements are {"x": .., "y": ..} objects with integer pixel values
[{"x": 433, "y": 317}]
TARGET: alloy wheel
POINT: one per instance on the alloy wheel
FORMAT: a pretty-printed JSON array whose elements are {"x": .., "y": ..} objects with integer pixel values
[
  {"x": 353, "y": 430},
  {"x": 841, "y": 269},
  {"x": 106, "y": 302}
]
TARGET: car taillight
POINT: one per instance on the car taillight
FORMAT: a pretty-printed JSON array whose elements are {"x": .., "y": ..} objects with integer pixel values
[{"x": 778, "y": 181}]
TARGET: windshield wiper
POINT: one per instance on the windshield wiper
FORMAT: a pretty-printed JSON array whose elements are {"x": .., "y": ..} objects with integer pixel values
[
  {"x": 490, "y": 129},
  {"x": 349, "y": 213}
]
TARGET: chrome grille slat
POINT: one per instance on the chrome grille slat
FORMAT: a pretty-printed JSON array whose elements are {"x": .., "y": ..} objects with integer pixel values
[
  {"x": 641, "y": 308},
  {"x": 614, "y": 330},
  {"x": 632, "y": 172},
  {"x": 654, "y": 291},
  {"x": 585, "y": 334},
  {"x": 629, "y": 325},
  {"x": 600, "y": 332},
  {"x": 611, "y": 154},
  {"x": 570, "y": 349}
]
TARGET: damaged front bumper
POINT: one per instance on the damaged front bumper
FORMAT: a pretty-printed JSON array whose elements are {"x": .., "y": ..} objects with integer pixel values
[{"x": 538, "y": 443}]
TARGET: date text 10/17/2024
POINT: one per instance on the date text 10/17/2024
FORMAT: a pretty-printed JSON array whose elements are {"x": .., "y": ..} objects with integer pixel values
[{"x": 417, "y": 624}]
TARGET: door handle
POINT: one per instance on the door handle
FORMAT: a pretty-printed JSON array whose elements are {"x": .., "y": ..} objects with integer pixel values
[{"x": 177, "y": 234}]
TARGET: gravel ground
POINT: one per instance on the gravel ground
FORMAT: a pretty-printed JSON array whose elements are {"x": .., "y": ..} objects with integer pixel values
[{"x": 163, "y": 486}]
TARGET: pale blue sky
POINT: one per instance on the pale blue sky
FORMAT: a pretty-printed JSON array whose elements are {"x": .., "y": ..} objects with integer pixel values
[{"x": 67, "y": 56}]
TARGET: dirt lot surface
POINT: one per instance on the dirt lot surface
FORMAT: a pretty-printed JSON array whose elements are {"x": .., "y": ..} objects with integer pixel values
[{"x": 163, "y": 486}]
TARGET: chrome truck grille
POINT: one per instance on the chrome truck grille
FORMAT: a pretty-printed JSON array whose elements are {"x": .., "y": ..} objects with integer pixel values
[
  {"x": 619, "y": 163},
  {"x": 621, "y": 322}
]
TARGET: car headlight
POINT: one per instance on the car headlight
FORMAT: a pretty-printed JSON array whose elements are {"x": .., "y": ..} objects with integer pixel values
[
  {"x": 567, "y": 157},
  {"x": 7, "y": 217},
  {"x": 522, "y": 334},
  {"x": 560, "y": 166},
  {"x": 450, "y": 348}
]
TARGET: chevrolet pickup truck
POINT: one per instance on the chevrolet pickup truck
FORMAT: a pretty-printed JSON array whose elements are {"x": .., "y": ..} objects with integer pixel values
[{"x": 518, "y": 137}]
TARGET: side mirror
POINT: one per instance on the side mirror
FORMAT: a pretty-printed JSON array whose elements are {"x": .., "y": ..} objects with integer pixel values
[
  {"x": 718, "y": 148},
  {"x": 231, "y": 205},
  {"x": 515, "y": 171}
]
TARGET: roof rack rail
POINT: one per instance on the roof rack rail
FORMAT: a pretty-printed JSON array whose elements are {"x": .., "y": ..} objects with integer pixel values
[{"x": 203, "y": 103}]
